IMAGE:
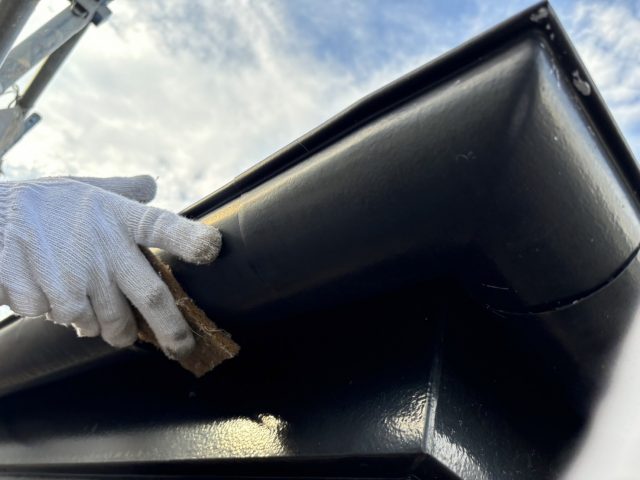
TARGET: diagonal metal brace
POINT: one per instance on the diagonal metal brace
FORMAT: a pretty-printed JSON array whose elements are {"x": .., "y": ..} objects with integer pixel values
[{"x": 48, "y": 39}]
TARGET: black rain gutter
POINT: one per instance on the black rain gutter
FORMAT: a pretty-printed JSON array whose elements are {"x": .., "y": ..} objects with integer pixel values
[
  {"x": 497, "y": 164},
  {"x": 419, "y": 80}
]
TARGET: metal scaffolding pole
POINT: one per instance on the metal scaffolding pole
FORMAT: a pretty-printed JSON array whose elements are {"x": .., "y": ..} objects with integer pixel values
[
  {"x": 53, "y": 41},
  {"x": 44, "y": 42},
  {"x": 13, "y": 16},
  {"x": 46, "y": 73}
]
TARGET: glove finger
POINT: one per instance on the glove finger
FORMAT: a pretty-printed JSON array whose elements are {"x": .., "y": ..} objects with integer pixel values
[
  {"x": 87, "y": 326},
  {"x": 69, "y": 310},
  {"x": 27, "y": 300},
  {"x": 149, "y": 294},
  {"x": 117, "y": 325},
  {"x": 192, "y": 241},
  {"x": 141, "y": 188},
  {"x": 4, "y": 296},
  {"x": 23, "y": 295},
  {"x": 20, "y": 291}
]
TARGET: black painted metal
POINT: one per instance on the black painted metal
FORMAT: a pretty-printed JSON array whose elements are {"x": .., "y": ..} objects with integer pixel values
[
  {"x": 494, "y": 168},
  {"x": 430, "y": 284},
  {"x": 35, "y": 351},
  {"x": 372, "y": 390}
]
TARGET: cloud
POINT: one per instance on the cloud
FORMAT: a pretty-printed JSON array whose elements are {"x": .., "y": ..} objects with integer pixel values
[
  {"x": 146, "y": 92},
  {"x": 608, "y": 39},
  {"x": 197, "y": 92}
]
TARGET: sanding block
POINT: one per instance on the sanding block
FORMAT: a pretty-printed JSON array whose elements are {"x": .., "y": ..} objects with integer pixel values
[{"x": 213, "y": 345}]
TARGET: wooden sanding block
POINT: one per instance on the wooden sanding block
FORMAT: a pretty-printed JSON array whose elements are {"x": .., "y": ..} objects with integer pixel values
[{"x": 213, "y": 345}]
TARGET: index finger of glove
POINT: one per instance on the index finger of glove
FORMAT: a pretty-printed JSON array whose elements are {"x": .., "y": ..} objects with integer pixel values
[{"x": 192, "y": 241}]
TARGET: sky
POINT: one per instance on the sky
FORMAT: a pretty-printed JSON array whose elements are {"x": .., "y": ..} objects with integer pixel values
[{"x": 196, "y": 92}]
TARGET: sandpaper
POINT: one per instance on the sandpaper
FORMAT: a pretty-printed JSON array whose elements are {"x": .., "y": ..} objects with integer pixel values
[{"x": 213, "y": 345}]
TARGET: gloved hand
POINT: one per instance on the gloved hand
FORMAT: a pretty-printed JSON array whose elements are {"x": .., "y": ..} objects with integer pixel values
[{"x": 69, "y": 249}]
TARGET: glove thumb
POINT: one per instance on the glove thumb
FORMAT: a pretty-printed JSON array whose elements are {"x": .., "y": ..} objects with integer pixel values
[{"x": 141, "y": 188}]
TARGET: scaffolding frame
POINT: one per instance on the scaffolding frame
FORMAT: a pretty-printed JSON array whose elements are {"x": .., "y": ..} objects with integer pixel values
[{"x": 51, "y": 43}]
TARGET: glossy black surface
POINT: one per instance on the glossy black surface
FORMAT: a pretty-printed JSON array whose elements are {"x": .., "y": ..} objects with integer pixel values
[
  {"x": 376, "y": 381},
  {"x": 33, "y": 351},
  {"x": 531, "y": 214},
  {"x": 433, "y": 284}
]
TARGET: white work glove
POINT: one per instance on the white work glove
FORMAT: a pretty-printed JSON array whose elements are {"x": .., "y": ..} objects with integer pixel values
[{"x": 69, "y": 249}]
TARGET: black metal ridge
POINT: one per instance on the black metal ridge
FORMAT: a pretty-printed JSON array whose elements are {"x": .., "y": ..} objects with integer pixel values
[
  {"x": 591, "y": 229},
  {"x": 291, "y": 247},
  {"x": 540, "y": 16}
]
